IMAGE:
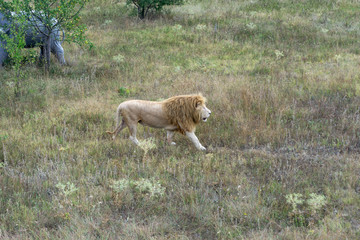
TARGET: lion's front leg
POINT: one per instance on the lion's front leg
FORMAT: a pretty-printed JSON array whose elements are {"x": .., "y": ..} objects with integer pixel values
[
  {"x": 169, "y": 135},
  {"x": 195, "y": 140}
]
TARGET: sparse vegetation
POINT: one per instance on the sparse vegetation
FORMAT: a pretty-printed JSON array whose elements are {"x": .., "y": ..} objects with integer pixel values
[{"x": 282, "y": 81}]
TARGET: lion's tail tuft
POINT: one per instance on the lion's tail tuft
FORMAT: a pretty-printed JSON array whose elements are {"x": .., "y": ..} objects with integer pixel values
[
  {"x": 112, "y": 134},
  {"x": 109, "y": 132}
]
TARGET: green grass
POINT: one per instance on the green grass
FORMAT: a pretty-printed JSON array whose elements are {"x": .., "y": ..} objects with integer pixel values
[{"x": 282, "y": 81}]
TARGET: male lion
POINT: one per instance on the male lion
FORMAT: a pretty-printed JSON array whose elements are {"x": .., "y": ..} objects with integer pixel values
[{"x": 176, "y": 114}]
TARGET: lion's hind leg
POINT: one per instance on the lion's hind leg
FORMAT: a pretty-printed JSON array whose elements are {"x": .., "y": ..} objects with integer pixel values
[
  {"x": 117, "y": 129},
  {"x": 169, "y": 135}
]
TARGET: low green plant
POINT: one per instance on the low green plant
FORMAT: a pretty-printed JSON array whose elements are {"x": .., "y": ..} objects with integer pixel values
[
  {"x": 305, "y": 211},
  {"x": 279, "y": 54},
  {"x": 66, "y": 189},
  {"x": 151, "y": 187},
  {"x": 315, "y": 202},
  {"x": 3, "y": 137},
  {"x": 148, "y": 187},
  {"x": 123, "y": 91},
  {"x": 120, "y": 185},
  {"x": 147, "y": 145},
  {"x": 65, "y": 201},
  {"x": 119, "y": 58},
  {"x": 295, "y": 199}
]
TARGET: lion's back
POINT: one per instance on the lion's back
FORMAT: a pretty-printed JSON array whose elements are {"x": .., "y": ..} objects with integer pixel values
[{"x": 145, "y": 111}]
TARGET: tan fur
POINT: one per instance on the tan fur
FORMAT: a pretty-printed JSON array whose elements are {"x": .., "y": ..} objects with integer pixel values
[
  {"x": 179, "y": 113},
  {"x": 183, "y": 112}
]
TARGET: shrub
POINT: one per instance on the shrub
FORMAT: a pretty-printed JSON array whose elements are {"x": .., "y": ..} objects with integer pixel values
[
  {"x": 143, "y": 6},
  {"x": 305, "y": 212}
]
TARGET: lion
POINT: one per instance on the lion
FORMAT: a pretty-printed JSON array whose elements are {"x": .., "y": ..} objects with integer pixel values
[{"x": 176, "y": 114}]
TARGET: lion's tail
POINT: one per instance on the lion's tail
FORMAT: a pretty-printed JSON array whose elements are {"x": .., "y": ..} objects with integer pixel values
[
  {"x": 109, "y": 132},
  {"x": 118, "y": 113}
]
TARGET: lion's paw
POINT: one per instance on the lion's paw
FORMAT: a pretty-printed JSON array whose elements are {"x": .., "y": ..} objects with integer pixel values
[{"x": 202, "y": 148}]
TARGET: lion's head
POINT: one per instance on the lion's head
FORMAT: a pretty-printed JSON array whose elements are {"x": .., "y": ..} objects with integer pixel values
[{"x": 186, "y": 111}]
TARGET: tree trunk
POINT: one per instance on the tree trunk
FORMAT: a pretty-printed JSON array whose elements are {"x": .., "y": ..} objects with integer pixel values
[
  {"x": 141, "y": 12},
  {"x": 47, "y": 50},
  {"x": 17, "y": 91}
]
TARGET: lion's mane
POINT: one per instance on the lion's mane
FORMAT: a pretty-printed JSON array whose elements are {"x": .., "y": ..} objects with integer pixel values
[{"x": 183, "y": 112}]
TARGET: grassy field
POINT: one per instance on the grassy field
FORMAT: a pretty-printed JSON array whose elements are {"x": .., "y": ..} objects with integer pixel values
[{"x": 282, "y": 80}]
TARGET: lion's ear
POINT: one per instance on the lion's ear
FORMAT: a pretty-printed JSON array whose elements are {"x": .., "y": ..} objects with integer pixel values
[{"x": 198, "y": 103}]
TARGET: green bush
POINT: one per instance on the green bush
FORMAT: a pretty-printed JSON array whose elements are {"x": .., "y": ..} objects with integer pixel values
[{"x": 143, "y": 6}]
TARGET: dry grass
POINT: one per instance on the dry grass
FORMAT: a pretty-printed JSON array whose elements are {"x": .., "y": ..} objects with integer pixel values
[{"x": 282, "y": 81}]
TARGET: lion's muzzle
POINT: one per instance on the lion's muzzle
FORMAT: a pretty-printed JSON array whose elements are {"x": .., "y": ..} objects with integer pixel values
[{"x": 205, "y": 114}]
